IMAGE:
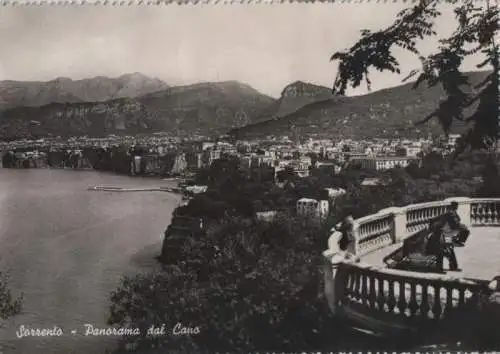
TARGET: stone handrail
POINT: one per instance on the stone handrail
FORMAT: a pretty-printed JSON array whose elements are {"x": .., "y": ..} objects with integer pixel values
[
  {"x": 393, "y": 225},
  {"x": 404, "y": 294},
  {"x": 395, "y": 293},
  {"x": 485, "y": 212}
]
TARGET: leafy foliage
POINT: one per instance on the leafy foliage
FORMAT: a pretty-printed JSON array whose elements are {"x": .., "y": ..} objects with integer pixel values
[
  {"x": 242, "y": 282},
  {"x": 476, "y": 28},
  {"x": 9, "y": 305}
]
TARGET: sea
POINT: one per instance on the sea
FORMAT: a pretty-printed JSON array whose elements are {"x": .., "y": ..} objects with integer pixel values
[{"x": 67, "y": 248}]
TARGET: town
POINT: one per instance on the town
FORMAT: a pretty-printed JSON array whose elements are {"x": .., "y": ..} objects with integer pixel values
[{"x": 165, "y": 155}]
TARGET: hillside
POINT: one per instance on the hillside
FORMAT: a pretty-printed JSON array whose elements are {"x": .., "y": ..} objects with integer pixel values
[
  {"x": 205, "y": 108},
  {"x": 387, "y": 112},
  {"x": 63, "y": 90}
]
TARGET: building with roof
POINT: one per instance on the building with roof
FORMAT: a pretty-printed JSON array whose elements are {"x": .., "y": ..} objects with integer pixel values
[
  {"x": 312, "y": 208},
  {"x": 380, "y": 163}
]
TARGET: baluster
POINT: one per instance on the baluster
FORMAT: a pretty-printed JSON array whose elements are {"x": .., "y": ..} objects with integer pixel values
[
  {"x": 473, "y": 208},
  {"x": 424, "y": 306},
  {"x": 413, "y": 305},
  {"x": 350, "y": 285},
  {"x": 436, "y": 308},
  {"x": 364, "y": 289},
  {"x": 461, "y": 296},
  {"x": 488, "y": 214},
  {"x": 381, "y": 295},
  {"x": 391, "y": 301},
  {"x": 449, "y": 300},
  {"x": 402, "y": 297},
  {"x": 372, "y": 297},
  {"x": 357, "y": 287}
]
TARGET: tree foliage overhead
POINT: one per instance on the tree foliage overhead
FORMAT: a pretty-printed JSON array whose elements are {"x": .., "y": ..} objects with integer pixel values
[{"x": 474, "y": 34}]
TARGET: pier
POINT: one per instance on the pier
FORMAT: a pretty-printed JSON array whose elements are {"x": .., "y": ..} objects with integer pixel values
[{"x": 142, "y": 189}]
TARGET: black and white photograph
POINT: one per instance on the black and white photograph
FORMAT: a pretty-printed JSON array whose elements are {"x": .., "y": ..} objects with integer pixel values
[{"x": 287, "y": 177}]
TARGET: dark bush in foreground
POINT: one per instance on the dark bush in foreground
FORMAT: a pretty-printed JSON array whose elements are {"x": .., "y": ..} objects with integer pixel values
[{"x": 247, "y": 286}]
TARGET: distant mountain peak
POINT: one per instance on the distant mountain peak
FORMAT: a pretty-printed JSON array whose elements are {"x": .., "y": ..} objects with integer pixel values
[
  {"x": 301, "y": 88},
  {"x": 63, "y": 89},
  {"x": 62, "y": 79},
  {"x": 136, "y": 75},
  {"x": 203, "y": 108}
]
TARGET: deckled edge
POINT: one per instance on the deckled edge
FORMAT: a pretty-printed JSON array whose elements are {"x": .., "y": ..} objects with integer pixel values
[{"x": 187, "y": 2}]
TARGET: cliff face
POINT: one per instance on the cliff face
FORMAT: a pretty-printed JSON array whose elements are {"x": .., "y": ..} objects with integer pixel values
[
  {"x": 62, "y": 90},
  {"x": 389, "y": 112},
  {"x": 201, "y": 108},
  {"x": 300, "y": 94}
]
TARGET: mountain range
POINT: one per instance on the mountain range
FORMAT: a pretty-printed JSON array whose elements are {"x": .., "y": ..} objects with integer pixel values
[
  {"x": 63, "y": 90},
  {"x": 142, "y": 105},
  {"x": 135, "y": 103},
  {"x": 385, "y": 113}
]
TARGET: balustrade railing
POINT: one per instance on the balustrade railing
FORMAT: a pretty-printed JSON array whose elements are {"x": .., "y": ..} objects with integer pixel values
[
  {"x": 419, "y": 216},
  {"x": 393, "y": 225},
  {"x": 374, "y": 232},
  {"x": 485, "y": 212},
  {"x": 377, "y": 291},
  {"x": 407, "y": 295}
]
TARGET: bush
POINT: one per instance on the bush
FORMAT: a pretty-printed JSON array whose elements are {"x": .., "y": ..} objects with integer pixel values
[{"x": 247, "y": 285}]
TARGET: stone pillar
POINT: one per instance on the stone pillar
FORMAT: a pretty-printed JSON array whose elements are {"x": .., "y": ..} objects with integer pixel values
[
  {"x": 329, "y": 271},
  {"x": 354, "y": 248},
  {"x": 399, "y": 223},
  {"x": 463, "y": 209},
  {"x": 329, "y": 285}
]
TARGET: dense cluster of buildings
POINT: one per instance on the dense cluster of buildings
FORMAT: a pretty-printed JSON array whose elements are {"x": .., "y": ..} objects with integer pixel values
[
  {"x": 166, "y": 155},
  {"x": 171, "y": 156}
]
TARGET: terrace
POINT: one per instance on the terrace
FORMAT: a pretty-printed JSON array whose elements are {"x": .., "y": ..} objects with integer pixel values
[{"x": 386, "y": 301}]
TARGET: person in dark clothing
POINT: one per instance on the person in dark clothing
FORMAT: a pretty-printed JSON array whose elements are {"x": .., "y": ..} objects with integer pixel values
[
  {"x": 436, "y": 245},
  {"x": 453, "y": 220},
  {"x": 347, "y": 241}
]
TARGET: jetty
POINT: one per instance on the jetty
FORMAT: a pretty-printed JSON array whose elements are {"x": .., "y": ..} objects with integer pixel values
[{"x": 140, "y": 189}]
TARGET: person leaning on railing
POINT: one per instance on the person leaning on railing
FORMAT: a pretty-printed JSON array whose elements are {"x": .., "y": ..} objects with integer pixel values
[
  {"x": 439, "y": 246},
  {"x": 347, "y": 241},
  {"x": 453, "y": 221}
]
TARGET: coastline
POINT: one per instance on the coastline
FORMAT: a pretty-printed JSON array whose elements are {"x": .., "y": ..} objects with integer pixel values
[{"x": 133, "y": 239}]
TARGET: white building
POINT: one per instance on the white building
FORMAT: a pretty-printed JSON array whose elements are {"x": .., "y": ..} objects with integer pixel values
[
  {"x": 334, "y": 193},
  {"x": 266, "y": 216},
  {"x": 383, "y": 162},
  {"x": 196, "y": 189},
  {"x": 312, "y": 208}
]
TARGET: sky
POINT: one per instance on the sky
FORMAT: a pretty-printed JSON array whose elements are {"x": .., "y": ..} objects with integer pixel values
[{"x": 264, "y": 45}]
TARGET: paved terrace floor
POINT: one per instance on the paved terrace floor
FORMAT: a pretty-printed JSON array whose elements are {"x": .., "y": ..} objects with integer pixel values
[{"x": 480, "y": 258}]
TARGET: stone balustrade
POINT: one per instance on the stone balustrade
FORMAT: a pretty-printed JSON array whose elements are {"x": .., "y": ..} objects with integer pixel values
[
  {"x": 404, "y": 294},
  {"x": 388, "y": 299},
  {"x": 485, "y": 212}
]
